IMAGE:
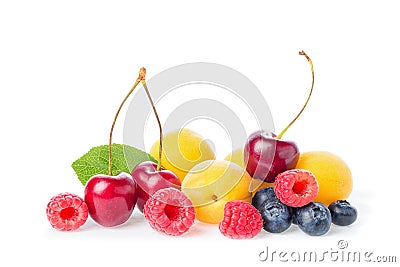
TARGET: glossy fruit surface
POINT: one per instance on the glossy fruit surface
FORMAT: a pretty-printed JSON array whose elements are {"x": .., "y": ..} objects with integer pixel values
[
  {"x": 342, "y": 213},
  {"x": 314, "y": 219},
  {"x": 110, "y": 199},
  {"x": 169, "y": 211},
  {"x": 268, "y": 156},
  {"x": 241, "y": 220},
  {"x": 296, "y": 187},
  {"x": 333, "y": 175},
  {"x": 149, "y": 181},
  {"x": 262, "y": 195},
  {"x": 211, "y": 184},
  {"x": 66, "y": 212},
  {"x": 182, "y": 150},
  {"x": 277, "y": 217}
]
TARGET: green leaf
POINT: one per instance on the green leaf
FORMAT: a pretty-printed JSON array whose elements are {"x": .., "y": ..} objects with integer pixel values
[{"x": 95, "y": 161}]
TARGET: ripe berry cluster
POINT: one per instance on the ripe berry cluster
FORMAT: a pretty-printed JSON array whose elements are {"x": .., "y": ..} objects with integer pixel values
[{"x": 289, "y": 201}]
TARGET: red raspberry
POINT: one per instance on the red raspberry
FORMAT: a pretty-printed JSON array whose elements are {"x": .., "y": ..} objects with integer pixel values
[
  {"x": 296, "y": 187},
  {"x": 241, "y": 220},
  {"x": 66, "y": 212},
  {"x": 169, "y": 211}
]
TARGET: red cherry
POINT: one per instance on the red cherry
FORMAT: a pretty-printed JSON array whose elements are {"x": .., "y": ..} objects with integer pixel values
[
  {"x": 110, "y": 199},
  {"x": 150, "y": 180},
  {"x": 267, "y": 156}
]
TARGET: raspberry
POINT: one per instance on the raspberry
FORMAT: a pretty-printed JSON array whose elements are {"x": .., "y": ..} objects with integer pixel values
[
  {"x": 169, "y": 211},
  {"x": 66, "y": 212},
  {"x": 241, "y": 220},
  {"x": 296, "y": 187}
]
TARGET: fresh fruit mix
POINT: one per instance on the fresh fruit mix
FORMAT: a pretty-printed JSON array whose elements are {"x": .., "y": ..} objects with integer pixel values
[{"x": 266, "y": 185}]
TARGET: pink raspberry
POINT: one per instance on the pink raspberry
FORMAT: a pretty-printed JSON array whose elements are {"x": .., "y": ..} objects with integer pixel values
[
  {"x": 241, "y": 220},
  {"x": 67, "y": 212},
  {"x": 169, "y": 211},
  {"x": 296, "y": 187}
]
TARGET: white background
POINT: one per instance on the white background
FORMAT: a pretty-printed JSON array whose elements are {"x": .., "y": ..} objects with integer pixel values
[{"x": 66, "y": 65}]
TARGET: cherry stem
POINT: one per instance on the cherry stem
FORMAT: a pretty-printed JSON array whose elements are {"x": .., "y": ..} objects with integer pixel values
[
  {"x": 301, "y": 53},
  {"x": 158, "y": 121},
  {"x": 141, "y": 76}
]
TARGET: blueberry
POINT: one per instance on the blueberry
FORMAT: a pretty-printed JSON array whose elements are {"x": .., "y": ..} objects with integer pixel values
[
  {"x": 314, "y": 218},
  {"x": 277, "y": 216},
  {"x": 342, "y": 213},
  {"x": 262, "y": 195}
]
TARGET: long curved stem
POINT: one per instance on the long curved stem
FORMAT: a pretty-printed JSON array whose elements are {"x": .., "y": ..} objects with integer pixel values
[
  {"x": 141, "y": 76},
  {"x": 158, "y": 121},
  {"x": 302, "y": 53}
]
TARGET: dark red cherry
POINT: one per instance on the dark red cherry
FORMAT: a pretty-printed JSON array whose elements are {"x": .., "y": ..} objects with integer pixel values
[
  {"x": 149, "y": 180},
  {"x": 267, "y": 156}
]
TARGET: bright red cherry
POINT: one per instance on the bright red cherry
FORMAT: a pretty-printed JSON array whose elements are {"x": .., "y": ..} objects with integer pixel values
[
  {"x": 266, "y": 155},
  {"x": 150, "y": 180},
  {"x": 110, "y": 199}
]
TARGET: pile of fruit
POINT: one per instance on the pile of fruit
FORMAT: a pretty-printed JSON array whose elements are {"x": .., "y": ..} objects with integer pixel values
[{"x": 268, "y": 184}]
